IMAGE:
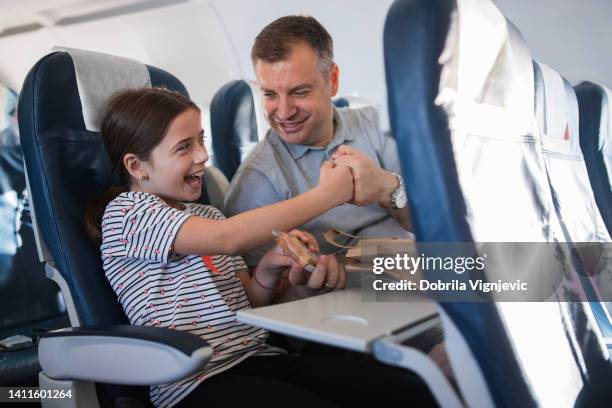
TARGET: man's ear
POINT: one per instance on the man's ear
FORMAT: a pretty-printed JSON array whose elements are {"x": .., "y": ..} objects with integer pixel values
[
  {"x": 334, "y": 78},
  {"x": 134, "y": 166}
]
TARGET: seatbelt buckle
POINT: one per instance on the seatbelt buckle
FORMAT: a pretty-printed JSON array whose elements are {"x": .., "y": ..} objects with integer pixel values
[{"x": 16, "y": 342}]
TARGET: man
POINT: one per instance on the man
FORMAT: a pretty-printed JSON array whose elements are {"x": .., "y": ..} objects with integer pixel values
[{"x": 294, "y": 64}]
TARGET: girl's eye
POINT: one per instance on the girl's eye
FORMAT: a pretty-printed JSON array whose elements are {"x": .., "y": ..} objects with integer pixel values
[{"x": 183, "y": 146}]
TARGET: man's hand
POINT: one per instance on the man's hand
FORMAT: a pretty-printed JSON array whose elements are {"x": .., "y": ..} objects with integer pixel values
[
  {"x": 372, "y": 184},
  {"x": 327, "y": 275}
]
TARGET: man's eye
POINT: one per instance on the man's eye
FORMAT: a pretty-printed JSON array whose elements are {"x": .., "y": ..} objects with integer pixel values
[
  {"x": 301, "y": 94},
  {"x": 269, "y": 95}
]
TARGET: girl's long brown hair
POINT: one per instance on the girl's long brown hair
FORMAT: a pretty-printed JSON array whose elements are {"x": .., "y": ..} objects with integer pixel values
[{"x": 135, "y": 121}]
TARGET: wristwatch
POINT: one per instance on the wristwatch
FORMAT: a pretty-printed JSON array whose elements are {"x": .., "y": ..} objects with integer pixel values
[{"x": 398, "y": 197}]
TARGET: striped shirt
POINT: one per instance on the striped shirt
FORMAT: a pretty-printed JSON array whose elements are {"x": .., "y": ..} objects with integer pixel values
[{"x": 157, "y": 287}]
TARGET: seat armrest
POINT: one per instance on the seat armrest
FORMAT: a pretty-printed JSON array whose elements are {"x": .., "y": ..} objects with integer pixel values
[{"x": 128, "y": 355}]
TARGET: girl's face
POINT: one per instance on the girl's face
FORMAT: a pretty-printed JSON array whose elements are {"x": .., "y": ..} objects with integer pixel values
[{"x": 176, "y": 165}]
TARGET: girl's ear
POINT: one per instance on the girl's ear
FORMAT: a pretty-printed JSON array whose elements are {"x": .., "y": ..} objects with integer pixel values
[{"x": 135, "y": 166}]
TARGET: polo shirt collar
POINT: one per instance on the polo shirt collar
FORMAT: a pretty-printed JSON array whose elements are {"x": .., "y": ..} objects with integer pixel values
[{"x": 340, "y": 136}]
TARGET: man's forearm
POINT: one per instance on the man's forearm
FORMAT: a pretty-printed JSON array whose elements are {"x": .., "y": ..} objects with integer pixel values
[
  {"x": 402, "y": 216},
  {"x": 388, "y": 186}
]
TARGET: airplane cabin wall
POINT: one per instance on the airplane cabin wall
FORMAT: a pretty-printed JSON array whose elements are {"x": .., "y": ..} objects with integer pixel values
[
  {"x": 571, "y": 36},
  {"x": 186, "y": 39},
  {"x": 206, "y": 43},
  {"x": 355, "y": 25}
]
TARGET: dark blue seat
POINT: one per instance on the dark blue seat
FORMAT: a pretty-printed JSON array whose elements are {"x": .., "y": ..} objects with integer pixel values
[
  {"x": 593, "y": 106},
  {"x": 595, "y": 143},
  {"x": 233, "y": 126},
  {"x": 458, "y": 195},
  {"x": 30, "y": 303},
  {"x": 67, "y": 167}
]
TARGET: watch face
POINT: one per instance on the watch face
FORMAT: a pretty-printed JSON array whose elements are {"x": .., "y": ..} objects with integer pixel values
[{"x": 401, "y": 201}]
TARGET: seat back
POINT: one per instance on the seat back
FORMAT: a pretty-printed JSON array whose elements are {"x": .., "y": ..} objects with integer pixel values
[
  {"x": 558, "y": 121},
  {"x": 233, "y": 125},
  {"x": 595, "y": 105},
  {"x": 557, "y": 116},
  {"x": 67, "y": 165},
  {"x": 12, "y": 180},
  {"x": 30, "y": 302},
  {"x": 26, "y": 296},
  {"x": 462, "y": 112}
]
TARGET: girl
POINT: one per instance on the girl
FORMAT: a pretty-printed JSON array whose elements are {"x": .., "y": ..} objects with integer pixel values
[{"x": 173, "y": 264}]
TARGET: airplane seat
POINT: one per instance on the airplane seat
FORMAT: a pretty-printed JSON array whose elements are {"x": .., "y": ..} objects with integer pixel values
[
  {"x": 596, "y": 143},
  {"x": 353, "y": 102},
  {"x": 101, "y": 359},
  {"x": 595, "y": 133},
  {"x": 558, "y": 120},
  {"x": 341, "y": 102},
  {"x": 462, "y": 111},
  {"x": 233, "y": 125},
  {"x": 30, "y": 302}
]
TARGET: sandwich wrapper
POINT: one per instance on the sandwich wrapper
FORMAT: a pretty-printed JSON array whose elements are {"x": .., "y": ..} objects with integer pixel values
[
  {"x": 293, "y": 247},
  {"x": 360, "y": 257}
]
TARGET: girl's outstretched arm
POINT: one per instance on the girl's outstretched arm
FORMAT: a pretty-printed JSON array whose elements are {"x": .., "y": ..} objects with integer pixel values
[{"x": 253, "y": 229}]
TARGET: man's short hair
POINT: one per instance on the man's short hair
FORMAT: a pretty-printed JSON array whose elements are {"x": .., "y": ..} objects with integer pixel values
[{"x": 274, "y": 42}]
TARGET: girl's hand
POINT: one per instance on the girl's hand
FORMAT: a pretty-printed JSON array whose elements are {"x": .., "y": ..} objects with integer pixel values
[
  {"x": 336, "y": 181},
  {"x": 274, "y": 263},
  {"x": 272, "y": 266},
  {"x": 327, "y": 275}
]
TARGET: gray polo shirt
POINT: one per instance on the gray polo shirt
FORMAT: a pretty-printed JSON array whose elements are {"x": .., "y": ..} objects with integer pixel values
[{"x": 275, "y": 171}]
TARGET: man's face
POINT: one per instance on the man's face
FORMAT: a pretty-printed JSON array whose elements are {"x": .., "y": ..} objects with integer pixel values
[{"x": 297, "y": 96}]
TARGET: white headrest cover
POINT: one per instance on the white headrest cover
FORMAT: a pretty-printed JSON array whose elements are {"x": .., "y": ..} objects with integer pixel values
[
  {"x": 101, "y": 75},
  {"x": 558, "y": 118},
  {"x": 486, "y": 62}
]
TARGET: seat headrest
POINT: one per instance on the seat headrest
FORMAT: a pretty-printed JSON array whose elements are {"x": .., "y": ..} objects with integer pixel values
[
  {"x": 98, "y": 76},
  {"x": 556, "y": 109},
  {"x": 233, "y": 125},
  {"x": 341, "y": 102},
  {"x": 595, "y": 111},
  {"x": 486, "y": 62}
]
